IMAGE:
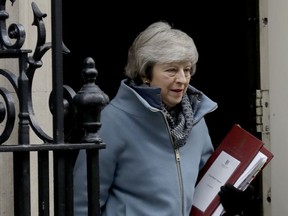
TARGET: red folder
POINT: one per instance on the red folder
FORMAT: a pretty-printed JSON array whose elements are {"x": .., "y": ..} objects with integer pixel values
[
  {"x": 241, "y": 145},
  {"x": 269, "y": 154}
]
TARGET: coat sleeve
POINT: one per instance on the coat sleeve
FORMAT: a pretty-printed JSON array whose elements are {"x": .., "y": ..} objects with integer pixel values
[
  {"x": 208, "y": 147},
  {"x": 108, "y": 158},
  {"x": 80, "y": 185}
]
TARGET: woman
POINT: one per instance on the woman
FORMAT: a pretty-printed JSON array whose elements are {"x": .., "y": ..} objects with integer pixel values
[{"x": 155, "y": 131}]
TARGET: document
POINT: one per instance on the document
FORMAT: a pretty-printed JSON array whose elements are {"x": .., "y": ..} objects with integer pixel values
[
  {"x": 246, "y": 178},
  {"x": 237, "y": 160},
  {"x": 214, "y": 178}
]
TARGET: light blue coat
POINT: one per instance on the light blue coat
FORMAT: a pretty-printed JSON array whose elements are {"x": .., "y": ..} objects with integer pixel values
[{"x": 140, "y": 172}]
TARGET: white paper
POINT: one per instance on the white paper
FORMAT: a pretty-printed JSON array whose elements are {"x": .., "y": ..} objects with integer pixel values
[
  {"x": 216, "y": 176},
  {"x": 219, "y": 211},
  {"x": 247, "y": 176},
  {"x": 251, "y": 171}
]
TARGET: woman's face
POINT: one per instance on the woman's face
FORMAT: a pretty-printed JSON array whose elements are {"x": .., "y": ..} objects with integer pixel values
[{"x": 173, "y": 79}]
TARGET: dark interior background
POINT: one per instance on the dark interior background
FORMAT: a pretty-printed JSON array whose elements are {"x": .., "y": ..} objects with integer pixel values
[{"x": 225, "y": 33}]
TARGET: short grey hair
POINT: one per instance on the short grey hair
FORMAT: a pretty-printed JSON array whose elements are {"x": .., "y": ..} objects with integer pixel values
[{"x": 159, "y": 43}]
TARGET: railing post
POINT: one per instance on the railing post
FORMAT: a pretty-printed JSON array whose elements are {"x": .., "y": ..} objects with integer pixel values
[
  {"x": 67, "y": 109},
  {"x": 89, "y": 102}
]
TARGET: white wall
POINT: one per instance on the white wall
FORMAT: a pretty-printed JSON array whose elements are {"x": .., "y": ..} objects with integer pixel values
[
  {"x": 21, "y": 12},
  {"x": 274, "y": 52}
]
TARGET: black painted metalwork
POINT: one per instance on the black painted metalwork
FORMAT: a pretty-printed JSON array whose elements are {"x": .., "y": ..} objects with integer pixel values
[{"x": 76, "y": 118}]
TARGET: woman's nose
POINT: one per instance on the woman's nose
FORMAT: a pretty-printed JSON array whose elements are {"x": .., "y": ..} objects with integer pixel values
[{"x": 180, "y": 76}]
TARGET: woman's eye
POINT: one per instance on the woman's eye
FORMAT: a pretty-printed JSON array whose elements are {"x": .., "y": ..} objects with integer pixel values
[
  {"x": 187, "y": 72},
  {"x": 172, "y": 71}
]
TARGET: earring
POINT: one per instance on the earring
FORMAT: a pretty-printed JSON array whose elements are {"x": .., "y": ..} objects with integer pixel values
[{"x": 146, "y": 81}]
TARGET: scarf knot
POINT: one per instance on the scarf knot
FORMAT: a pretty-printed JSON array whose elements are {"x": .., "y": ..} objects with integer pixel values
[{"x": 180, "y": 121}]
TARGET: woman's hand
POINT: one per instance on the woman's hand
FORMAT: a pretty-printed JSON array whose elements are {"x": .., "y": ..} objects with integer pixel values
[{"x": 234, "y": 200}]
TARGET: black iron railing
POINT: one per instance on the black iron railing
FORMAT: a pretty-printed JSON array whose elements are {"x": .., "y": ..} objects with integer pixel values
[{"x": 72, "y": 112}]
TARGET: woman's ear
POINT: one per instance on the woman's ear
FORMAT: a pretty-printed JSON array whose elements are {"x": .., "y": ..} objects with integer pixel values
[{"x": 146, "y": 81}]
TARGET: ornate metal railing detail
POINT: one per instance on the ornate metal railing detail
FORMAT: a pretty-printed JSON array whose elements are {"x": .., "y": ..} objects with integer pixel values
[
  {"x": 81, "y": 112},
  {"x": 15, "y": 31}
]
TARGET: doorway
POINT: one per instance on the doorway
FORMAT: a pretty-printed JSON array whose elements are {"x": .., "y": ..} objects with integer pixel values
[{"x": 225, "y": 33}]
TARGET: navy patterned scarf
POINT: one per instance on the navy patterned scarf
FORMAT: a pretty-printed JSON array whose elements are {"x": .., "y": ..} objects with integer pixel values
[
  {"x": 179, "y": 118},
  {"x": 180, "y": 121}
]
